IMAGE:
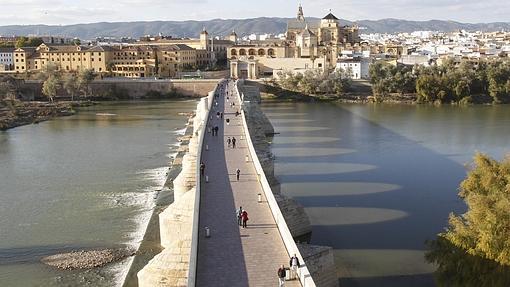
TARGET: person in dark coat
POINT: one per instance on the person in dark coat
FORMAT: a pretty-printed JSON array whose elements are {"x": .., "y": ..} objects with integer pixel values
[
  {"x": 294, "y": 265},
  {"x": 234, "y": 142},
  {"x": 281, "y": 276},
  {"x": 202, "y": 169}
]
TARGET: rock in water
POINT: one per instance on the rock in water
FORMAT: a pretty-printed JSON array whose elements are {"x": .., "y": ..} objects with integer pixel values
[{"x": 86, "y": 259}]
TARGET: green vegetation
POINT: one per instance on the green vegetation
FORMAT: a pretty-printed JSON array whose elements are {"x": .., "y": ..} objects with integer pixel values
[
  {"x": 313, "y": 82},
  {"x": 85, "y": 77},
  {"x": 475, "y": 248},
  {"x": 51, "y": 86},
  {"x": 54, "y": 80},
  {"x": 448, "y": 83},
  {"x": 8, "y": 88},
  {"x": 28, "y": 42},
  {"x": 71, "y": 85}
]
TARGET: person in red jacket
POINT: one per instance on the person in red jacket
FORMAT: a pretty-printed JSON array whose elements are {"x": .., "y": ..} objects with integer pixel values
[{"x": 244, "y": 216}]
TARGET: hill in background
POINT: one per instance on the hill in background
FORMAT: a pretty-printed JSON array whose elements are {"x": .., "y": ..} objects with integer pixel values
[{"x": 222, "y": 27}]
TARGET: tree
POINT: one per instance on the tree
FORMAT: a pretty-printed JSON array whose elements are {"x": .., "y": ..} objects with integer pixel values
[
  {"x": 28, "y": 42},
  {"x": 86, "y": 77},
  {"x": 462, "y": 90},
  {"x": 76, "y": 42},
  {"x": 71, "y": 85},
  {"x": 484, "y": 230},
  {"x": 8, "y": 89},
  {"x": 109, "y": 67},
  {"x": 50, "y": 87},
  {"x": 427, "y": 88},
  {"x": 50, "y": 69}
]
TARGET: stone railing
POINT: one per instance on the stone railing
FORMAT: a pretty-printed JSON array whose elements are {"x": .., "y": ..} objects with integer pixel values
[
  {"x": 192, "y": 272},
  {"x": 304, "y": 274},
  {"x": 178, "y": 223}
]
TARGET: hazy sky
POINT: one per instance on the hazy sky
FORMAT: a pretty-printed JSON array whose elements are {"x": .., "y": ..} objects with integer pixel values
[{"x": 88, "y": 11}]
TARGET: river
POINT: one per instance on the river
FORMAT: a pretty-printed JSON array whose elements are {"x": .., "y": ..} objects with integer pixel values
[
  {"x": 377, "y": 181},
  {"x": 80, "y": 182}
]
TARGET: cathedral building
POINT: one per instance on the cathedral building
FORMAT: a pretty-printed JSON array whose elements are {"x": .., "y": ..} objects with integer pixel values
[{"x": 309, "y": 44}]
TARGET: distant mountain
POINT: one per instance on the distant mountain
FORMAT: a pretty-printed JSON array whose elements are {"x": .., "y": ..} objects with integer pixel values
[{"x": 224, "y": 27}]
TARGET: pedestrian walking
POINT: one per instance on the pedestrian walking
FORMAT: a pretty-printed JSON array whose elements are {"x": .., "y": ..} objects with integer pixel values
[
  {"x": 228, "y": 122},
  {"x": 281, "y": 276},
  {"x": 221, "y": 115},
  {"x": 202, "y": 168},
  {"x": 218, "y": 115},
  {"x": 238, "y": 173},
  {"x": 244, "y": 217},
  {"x": 229, "y": 141},
  {"x": 294, "y": 265},
  {"x": 217, "y": 129},
  {"x": 239, "y": 214},
  {"x": 234, "y": 142}
]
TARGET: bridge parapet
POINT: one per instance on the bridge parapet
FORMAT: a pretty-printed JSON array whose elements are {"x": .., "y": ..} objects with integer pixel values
[{"x": 304, "y": 274}]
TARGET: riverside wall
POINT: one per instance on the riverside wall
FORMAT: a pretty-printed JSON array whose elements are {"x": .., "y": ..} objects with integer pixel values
[
  {"x": 130, "y": 88},
  {"x": 178, "y": 224},
  {"x": 318, "y": 259}
]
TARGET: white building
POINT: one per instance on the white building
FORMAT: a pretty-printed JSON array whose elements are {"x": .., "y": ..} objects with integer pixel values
[
  {"x": 6, "y": 59},
  {"x": 357, "y": 67}
]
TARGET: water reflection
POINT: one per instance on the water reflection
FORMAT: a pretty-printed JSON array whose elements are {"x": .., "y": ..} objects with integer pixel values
[
  {"x": 373, "y": 263},
  {"x": 457, "y": 268},
  {"x": 292, "y": 172},
  {"x": 351, "y": 215},
  {"x": 304, "y": 152},
  {"x": 283, "y": 140},
  {"x": 285, "y": 129},
  {"x": 303, "y": 189}
]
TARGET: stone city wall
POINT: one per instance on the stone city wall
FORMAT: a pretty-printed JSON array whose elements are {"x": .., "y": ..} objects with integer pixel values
[{"x": 177, "y": 223}]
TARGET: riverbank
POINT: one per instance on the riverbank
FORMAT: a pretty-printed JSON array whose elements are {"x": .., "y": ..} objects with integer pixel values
[{"x": 18, "y": 113}]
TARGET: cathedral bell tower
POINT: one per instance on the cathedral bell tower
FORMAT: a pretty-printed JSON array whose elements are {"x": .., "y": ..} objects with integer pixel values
[
  {"x": 204, "y": 39},
  {"x": 300, "y": 14}
]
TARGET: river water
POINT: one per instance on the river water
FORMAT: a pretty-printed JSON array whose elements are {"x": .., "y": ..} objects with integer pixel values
[
  {"x": 79, "y": 182},
  {"x": 377, "y": 181}
]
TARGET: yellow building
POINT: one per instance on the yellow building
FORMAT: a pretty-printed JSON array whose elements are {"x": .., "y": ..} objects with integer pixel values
[{"x": 64, "y": 57}]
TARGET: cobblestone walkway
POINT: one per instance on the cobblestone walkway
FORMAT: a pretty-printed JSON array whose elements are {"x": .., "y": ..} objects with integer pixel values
[{"x": 234, "y": 256}]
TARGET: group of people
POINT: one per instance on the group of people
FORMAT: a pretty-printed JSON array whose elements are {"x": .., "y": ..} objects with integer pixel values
[
  {"x": 282, "y": 271},
  {"x": 242, "y": 217},
  {"x": 215, "y": 130},
  {"x": 231, "y": 142}
]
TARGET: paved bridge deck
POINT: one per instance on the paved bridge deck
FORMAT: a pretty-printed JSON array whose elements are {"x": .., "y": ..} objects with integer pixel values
[{"x": 234, "y": 256}]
